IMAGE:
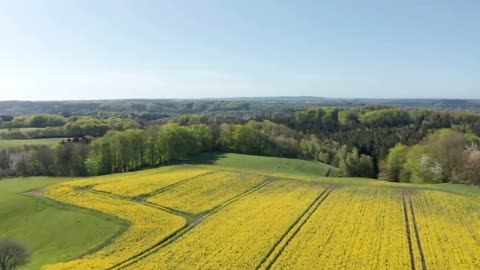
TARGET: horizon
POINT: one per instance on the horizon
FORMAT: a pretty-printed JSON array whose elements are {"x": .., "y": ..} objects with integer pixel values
[
  {"x": 85, "y": 50},
  {"x": 305, "y": 98}
]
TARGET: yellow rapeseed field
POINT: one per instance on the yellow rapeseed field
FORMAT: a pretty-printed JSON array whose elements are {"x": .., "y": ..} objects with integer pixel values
[
  {"x": 354, "y": 228},
  {"x": 118, "y": 177},
  {"x": 417, "y": 256},
  {"x": 148, "y": 226},
  {"x": 206, "y": 192},
  {"x": 240, "y": 235},
  {"x": 144, "y": 184},
  {"x": 206, "y": 218},
  {"x": 449, "y": 228}
]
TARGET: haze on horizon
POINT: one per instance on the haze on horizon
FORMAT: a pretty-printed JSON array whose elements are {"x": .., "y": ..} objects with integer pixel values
[{"x": 65, "y": 50}]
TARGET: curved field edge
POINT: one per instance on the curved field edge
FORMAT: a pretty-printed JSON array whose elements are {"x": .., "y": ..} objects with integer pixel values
[
  {"x": 125, "y": 224},
  {"x": 55, "y": 232},
  {"x": 450, "y": 188},
  {"x": 181, "y": 232},
  {"x": 244, "y": 231},
  {"x": 147, "y": 226},
  {"x": 81, "y": 188},
  {"x": 266, "y": 164}
]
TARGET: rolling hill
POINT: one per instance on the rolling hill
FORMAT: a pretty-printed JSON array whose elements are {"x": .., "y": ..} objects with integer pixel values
[{"x": 241, "y": 212}]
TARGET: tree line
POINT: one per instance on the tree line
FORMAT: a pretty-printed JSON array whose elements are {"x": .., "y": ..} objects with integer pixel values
[
  {"x": 133, "y": 149},
  {"x": 56, "y": 126},
  {"x": 373, "y": 130},
  {"x": 443, "y": 156},
  {"x": 360, "y": 141}
]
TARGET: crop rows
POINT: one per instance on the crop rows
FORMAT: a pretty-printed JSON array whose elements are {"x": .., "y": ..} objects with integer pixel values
[
  {"x": 191, "y": 224},
  {"x": 150, "y": 227},
  {"x": 147, "y": 227},
  {"x": 356, "y": 228},
  {"x": 417, "y": 256},
  {"x": 202, "y": 219},
  {"x": 135, "y": 186},
  {"x": 448, "y": 226},
  {"x": 240, "y": 235},
  {"x": 282, "y": 243},
  {"x": 205, "y": 192},
  {"x": 119, "y": 177}
]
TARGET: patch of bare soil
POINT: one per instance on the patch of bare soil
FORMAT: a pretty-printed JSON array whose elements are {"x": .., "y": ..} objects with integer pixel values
[{"x": 36, "y": 193}]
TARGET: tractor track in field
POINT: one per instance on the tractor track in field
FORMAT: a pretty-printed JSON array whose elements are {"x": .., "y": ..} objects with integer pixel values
[
  {"x": 142, "y": 197},
  {"x": 191, "y": 223},
  {"x": 292, "y": 231},
  {"x": 172, "y": 211},
  {"x": 417, "y": 234},
  {"x": 409, "y": 223},
  {"x": 409, "y": 234}
]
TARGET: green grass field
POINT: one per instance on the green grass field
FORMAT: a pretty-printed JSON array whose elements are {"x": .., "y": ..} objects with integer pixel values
[
  {"x": 7, "y": 130},
  {"x": 55, "y": 232},
  {"x": 21, "y": 143},
  {"x": 314, "y": 171},
  {"x": 269, "y": 164}
]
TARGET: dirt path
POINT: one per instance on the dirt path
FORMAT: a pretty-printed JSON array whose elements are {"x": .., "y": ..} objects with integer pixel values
[{"x": 36, "y": 193}]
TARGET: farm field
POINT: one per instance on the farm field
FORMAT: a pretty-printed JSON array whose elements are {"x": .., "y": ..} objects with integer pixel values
[
  {"x": 9, "y": 130},
  {"x": 356, "y": 228},
  {"x": 448, "y": 226},
  {"x": 269, "y": 164},
  {"x": 214, "y": 216},
  {"x": 55, "y": 232},
  {"x": 207, "y": 191},
  {"x": 21, "y": 143}
]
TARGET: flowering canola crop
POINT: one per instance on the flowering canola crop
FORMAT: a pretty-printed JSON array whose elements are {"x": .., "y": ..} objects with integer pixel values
[
  {"x": 206, "y": 192},
  {"x": 205, "y": 218},
  {"x": 148, "y": 227},
  {"x": 355, "y": 228},
  {"x": 134, "y": 186},
  {"x": 449, "y": 229},
  {"x": 240, "y": 235}
]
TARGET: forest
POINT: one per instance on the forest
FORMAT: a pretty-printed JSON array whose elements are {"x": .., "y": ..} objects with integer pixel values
[{"x": 376, "y": 141}]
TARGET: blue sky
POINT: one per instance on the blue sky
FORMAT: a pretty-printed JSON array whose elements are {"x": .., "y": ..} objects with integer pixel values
[{"x": 86, "y": 49}]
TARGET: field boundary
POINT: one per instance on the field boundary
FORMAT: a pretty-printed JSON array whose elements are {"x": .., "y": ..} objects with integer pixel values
[
  {"x": 292, "y": 231},
  {"x": 182, "y": 231},
  {"x": 54, "y": 202},
  {"x": 175, "y": 212}
]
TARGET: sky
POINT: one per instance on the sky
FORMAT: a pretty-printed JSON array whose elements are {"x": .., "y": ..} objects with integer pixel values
[{"x": 109, "y": 49}]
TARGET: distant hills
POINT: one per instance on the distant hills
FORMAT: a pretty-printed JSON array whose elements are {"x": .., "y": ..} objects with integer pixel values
[{"x": 214, "y": 105}]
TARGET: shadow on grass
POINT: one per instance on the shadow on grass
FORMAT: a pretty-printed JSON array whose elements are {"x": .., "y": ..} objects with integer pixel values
[{"x": 201, "y": 159}]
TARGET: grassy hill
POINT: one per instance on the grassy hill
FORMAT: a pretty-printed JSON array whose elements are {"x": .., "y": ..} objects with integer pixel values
[
  {"x": 268, "y": 164},
  {"x": 203, "y": 212},
  {"x": 55, "y": 232}
]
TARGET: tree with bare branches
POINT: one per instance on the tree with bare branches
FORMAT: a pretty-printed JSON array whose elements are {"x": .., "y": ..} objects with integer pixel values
[{"x": 13, "y": 255}]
